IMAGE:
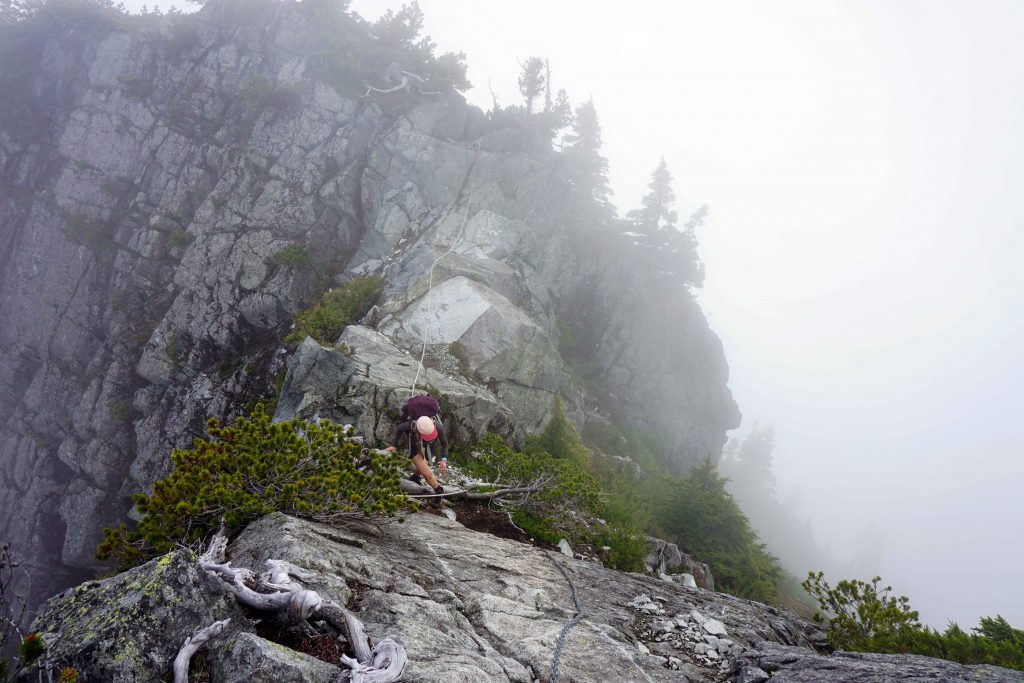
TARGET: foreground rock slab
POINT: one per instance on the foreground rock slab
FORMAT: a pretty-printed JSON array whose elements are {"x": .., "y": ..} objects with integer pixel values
[
  {"x": 468, "y": 606},
  {"x": 130, "y": 627},
  {"x": 798, "y": 665}
]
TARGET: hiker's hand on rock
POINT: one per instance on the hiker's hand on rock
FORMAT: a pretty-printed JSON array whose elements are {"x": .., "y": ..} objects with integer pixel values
[
  {"x": 390, "y": 449},
  {"x": 442, "y": 467}
]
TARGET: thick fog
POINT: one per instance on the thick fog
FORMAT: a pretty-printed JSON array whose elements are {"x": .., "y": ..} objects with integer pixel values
[{"x": 863, "y": 162}]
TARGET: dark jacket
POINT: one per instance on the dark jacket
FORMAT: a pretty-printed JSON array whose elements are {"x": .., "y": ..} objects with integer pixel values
[{"x": 406, "y": 434}]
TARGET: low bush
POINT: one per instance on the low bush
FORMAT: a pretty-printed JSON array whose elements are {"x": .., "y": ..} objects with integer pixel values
[
  {"x": 251, "y": 469},
  {"x": 295, "y": 255},
  {"x": 339, "y": 307},
  {"x": 864, "y": 617}
]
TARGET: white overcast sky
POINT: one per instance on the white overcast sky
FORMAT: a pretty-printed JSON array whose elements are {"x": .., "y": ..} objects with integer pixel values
[{"x": 863, "y": 161}]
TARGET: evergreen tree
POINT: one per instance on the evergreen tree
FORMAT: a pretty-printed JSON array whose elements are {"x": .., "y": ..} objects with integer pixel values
[
  {"x": 706, "y": 521},
  {"x": 561, "y": 110},
  {"x": 656, "y": 214},
  {"x": 588, "y": 170},
  {"x": 560, "y": 438},
  {"x": 532, "y": 81}
]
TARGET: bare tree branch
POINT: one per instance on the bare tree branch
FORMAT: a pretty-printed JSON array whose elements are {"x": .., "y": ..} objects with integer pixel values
[{"x": 192, "y": 644}]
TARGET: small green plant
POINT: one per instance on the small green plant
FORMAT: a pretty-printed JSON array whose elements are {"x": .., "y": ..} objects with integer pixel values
[
  {"x": 458, "y": 351},
  {"x": 253, "y": 468},
  {"x": 339, "y": 307},
  {"x": 95, "y": 235},
  {"x": 295, "y": 256},
  {"x": 559, "y": 437},
  {"x": 179, "y": 239},
  {"x": 176, "y": 350},
  {"x": 568, "y": 500},
  {"x": 123, "y": 410},
  {"x": 626, "y": 545}
]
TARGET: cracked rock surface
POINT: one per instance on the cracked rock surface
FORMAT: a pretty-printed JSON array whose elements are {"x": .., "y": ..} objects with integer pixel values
[
  {"x": 467, "y": 607},
  {"x": 143, "y": 288}
]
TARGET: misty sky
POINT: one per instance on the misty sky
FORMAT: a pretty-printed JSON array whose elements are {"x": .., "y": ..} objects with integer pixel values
[{"x": 863, "y": 161}]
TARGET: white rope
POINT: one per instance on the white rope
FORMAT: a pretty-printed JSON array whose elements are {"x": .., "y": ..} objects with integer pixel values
[{"x": 455, "y": 242}]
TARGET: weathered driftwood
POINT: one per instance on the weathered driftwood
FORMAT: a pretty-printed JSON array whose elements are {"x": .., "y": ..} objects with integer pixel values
[
  {"x": 385, "y": 666},
  {"x": 395, "y": 74},
  {"x": 192, "y": 645},
  {"x": 419, "y": 491},
  {"x": 346, "y": 622},
  {"x": 293, "y": 604}
]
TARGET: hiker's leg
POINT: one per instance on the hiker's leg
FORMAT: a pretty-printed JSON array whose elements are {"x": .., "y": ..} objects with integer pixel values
[{"x": 424, "y": 470}]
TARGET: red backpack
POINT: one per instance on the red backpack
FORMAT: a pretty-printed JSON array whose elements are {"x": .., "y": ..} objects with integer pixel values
[{"x": 424, "y": 405}]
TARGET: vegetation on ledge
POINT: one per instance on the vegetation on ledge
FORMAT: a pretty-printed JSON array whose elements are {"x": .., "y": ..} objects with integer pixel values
[
  {"x": 253, "y": 468},
  {"x": 865, "y": 617}
]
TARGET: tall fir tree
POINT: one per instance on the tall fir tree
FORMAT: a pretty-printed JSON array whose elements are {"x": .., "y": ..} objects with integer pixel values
[
  {"x": 588, "y": 170},
  {"x": 533, "y": 81},
  {"x": 656, "y": 213}
]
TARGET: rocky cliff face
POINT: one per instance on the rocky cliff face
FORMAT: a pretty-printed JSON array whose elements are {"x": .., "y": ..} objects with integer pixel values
[
  {"x": 466, "y": 606},
  {"x": 152, "y": 177}
]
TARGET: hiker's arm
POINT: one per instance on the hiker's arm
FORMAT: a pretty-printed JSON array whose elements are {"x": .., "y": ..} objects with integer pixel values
[
  {"x": 443, "y": 438},
  {"x": 401, "y": 430}
]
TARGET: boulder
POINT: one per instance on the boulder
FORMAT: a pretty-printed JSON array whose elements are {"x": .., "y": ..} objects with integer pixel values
[
  {"x": 247, "y": 658},
  {"x": 666, "y": 558},
  {"x": 365, "y": 380},
  {"x": 785, "y": 664},
  {"x": 130, "y": 627}
]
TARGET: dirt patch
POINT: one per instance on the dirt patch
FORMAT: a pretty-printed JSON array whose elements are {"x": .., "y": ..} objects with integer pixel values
[
  {"x": 304, "y": 638},
  {"x": 490, "y": 521}
]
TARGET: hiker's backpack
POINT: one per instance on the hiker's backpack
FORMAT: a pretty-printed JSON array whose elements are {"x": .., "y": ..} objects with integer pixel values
[{"x": 423, "y": 405}]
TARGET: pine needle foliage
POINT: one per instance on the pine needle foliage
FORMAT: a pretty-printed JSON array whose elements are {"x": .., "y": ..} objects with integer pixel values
[
  {"x": 339, "y": 307},
  {"x": 864, "y": 617},
  {"x": 559, "y": 437},
  {"x": 250, "y": 469},
  {"x": 707, "y": 522}
]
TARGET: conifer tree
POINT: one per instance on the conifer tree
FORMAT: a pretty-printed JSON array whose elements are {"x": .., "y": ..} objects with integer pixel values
[
  {"x": 588, "y": 170},
  {"x": 560, "y": 438},
  {"x": 561, "y": 110},
  {"x": 656, "y": 213},
  {"x": 532, "y": 81}
]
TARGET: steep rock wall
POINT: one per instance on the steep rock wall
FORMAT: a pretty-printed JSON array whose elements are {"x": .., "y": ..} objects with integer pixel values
[{"x": 146, "y": 200}]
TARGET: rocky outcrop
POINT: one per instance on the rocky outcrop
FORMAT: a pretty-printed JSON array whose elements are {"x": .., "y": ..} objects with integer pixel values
[
  {"x": 466, "y": 606},
  {"x": 193, "y": 181},
  {"x": 782, "y": 664},
  {"x": 664, "y": 559},
  {"x": 130, "y": 627}
]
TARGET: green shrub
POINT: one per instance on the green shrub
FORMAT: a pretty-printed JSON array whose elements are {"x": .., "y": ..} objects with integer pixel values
[
  {"x": 179, "y": 239},
  {"x": 339, "y": 307},
  {"x": 296, "y": 255},
  {"x": 705, "y": 520},
  {"x": 863, "y": 617},
  {"x": 250, "y": 469},
  {"x": 92, "y": 234},
  {"x": 123, "y": 410},
  {"x": 559, "y": 437},
  {"x": 626, "y": 545},
  {"x": 570, "y": 495}
]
